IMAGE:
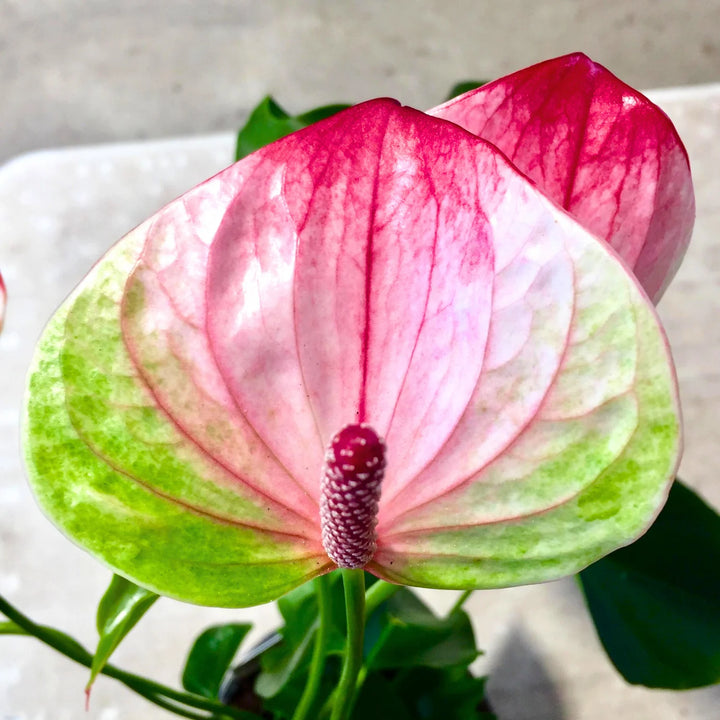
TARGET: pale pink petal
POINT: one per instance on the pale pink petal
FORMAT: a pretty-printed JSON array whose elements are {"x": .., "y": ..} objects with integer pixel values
[
  {"x": 392, "y": 283},
  {"x": 532, "y": 311},
  {"x": 164, "y": 323},
  {"x": 570, "y": 441}
]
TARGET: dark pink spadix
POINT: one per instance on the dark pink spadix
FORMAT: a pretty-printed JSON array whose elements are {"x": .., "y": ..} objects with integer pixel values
[{"x": 349, "y": 495}]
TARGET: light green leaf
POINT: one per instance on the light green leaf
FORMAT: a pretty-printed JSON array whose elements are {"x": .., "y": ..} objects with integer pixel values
[
  {"x": 113, "y": 471},
  {"x": 120, "y": 608}
]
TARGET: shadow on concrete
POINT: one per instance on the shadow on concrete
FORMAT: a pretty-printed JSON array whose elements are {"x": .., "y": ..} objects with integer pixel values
[{"x": 519, "y": 685}]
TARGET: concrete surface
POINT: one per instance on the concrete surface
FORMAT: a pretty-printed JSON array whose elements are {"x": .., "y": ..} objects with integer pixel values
[{"x": 79, "y": 71}]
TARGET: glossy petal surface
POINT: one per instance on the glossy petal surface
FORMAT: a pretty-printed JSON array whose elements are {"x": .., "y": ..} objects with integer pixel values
[
  {"x": 385, "y": 267},
  {"x": 599, "y": 149}
]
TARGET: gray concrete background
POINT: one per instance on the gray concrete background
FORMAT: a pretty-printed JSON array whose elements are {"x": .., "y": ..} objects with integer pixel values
[{"x": 88, "y": 71}]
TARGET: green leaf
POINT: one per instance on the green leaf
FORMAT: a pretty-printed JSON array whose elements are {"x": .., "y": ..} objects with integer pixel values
[
  {"x": 210, "y": 656},
  {"x": 655, "y": 603},
  {"x": 447, "y": 694},
  {"x": 418, "y": 664},
  {"x": 283, "y": 704},
  {"x": 465, "y": 86},
  {"x": 120, "y": 608},
  {"x": 379, "y": 700},
  {"x": 282, "y": 662},
  {"x": 404, "y": 632},
  {"x": 291, "y": 657},
  {"x": 269, "y": 122},
  {"x": 422, "y": 693}
]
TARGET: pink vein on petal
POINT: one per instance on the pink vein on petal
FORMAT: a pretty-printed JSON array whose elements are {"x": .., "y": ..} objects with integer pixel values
[
  {"x": 426, "y": 302},
  {"x": 559, "y": 407},
  {"x": 491, "y": 418},
  {"x": 253, "y": 331},
  {"x": 621, "y": 139},
  {"x": 196, "y": 509},
  {"x": 152, "y": 339},
  {"x": 487, "y": 519},
  {"x": 369, "y": 310},
  {"x": 332, "y": 281},
  {"x": 436, "y": 291}
]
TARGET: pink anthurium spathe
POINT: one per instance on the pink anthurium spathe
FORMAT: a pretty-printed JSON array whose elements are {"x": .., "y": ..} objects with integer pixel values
[
  {"x": 598, "y": 148},
  {"x": 373, "y": 343}
]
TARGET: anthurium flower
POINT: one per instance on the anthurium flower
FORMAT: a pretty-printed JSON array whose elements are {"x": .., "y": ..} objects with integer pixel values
[
  {"x": 598, "y": 148},
  {"x": 373, "y": 343}
]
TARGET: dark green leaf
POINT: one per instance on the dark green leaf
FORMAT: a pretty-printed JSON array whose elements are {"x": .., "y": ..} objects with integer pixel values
[
  {"x": 119, "y": 610},
  {"x": 422, "y": 693},
  {"x": 405, "y": 632},
  {"x": 269, "y": 122},
  {"x": 291, "y": 657},
  {"x": 283, "y": 704},
  {"x": 655, "y": 603},
  {"x": 401, "y": 633},
  {"x": 463, "y": 87},
  {"x": 282, "y": 662},
  {"x": 447, "y": 694},
  {"x": 379, "y": 700},
  {"x": 210, "y": 656},
  {"x": 320, "y": 113}
]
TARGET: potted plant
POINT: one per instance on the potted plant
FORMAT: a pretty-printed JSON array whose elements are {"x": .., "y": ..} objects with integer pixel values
[{"x": 391, "y": 349}]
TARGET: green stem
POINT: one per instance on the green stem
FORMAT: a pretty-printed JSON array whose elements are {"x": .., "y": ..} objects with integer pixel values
[
  {"x": 377, "y": 594},
  {"x": 177, "y": 709},
  {"x": 365, "y": 669},
  {"x": 317, "y": 664},
  {"x": 354, "y": 584},
  {"x": 149, "y": 689},
  {"x": 460, "y": 602}
]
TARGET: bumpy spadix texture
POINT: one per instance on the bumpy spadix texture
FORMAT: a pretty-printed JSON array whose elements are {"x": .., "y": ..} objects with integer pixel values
[
  {"x": 383, "y": 267},
  {"x": 349, "y": 495}
]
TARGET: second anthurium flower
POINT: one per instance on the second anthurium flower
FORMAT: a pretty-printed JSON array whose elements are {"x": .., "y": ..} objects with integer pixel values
[{"x": 384, "y": 342}]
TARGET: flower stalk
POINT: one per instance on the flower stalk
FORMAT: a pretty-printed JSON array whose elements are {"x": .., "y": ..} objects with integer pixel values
[
  {"x": 317, "y": 663},
  {"x": 354, "y": 584}
]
